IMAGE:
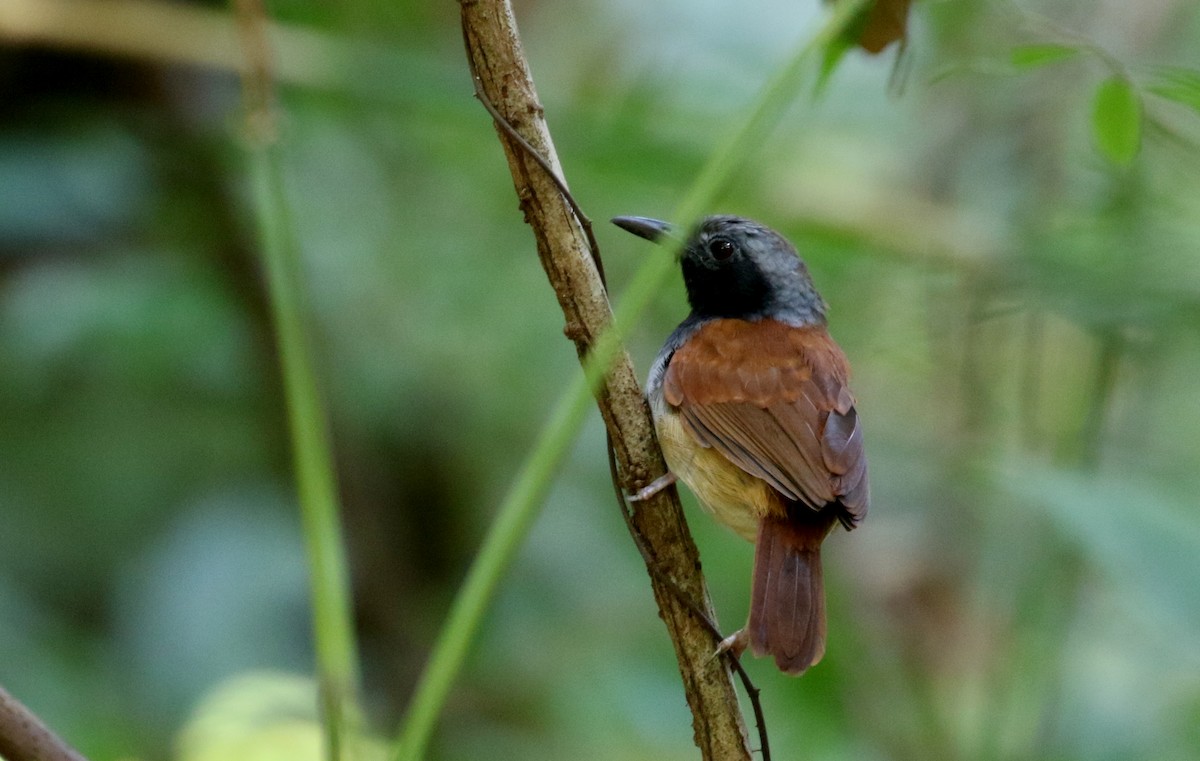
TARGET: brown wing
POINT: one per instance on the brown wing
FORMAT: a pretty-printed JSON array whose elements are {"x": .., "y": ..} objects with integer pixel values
[{"x": 774, "y": 400}]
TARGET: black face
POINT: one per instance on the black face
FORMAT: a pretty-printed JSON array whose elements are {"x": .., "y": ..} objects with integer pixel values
[
  {"x": 722, "y": 279},
  {"x": 739, "y": 268}
]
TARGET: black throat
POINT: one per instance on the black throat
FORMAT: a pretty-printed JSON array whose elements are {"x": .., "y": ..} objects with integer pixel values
[{"x": 741, "y": 291}]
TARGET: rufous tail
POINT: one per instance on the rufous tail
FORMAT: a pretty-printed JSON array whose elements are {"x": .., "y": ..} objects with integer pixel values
[{"x": 787, "y": 608}]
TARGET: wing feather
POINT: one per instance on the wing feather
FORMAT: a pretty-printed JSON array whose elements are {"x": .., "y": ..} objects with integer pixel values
[{"x": 775, "y": 400}]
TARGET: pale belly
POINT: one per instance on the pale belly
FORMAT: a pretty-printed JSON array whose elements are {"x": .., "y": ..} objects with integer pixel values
[{"x": 732, "y": 495}]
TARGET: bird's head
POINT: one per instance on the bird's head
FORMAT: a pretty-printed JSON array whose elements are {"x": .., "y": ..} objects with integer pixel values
[{"x": 738, "y": 268}]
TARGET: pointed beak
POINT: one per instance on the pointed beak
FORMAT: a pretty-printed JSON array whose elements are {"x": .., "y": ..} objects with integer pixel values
[{"x": 645, "y": 227}]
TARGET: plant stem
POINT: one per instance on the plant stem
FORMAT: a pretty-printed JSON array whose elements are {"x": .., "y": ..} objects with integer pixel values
[
  {"x": 312, "y": 457},
  {"x": 312, "y": 462},
  {"x": 505, "y": 535}
]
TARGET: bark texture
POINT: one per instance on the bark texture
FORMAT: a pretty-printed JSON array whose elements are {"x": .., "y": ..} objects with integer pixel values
[
  {"x": 24, "y": 737},
  {"x": 503, "y": 76}
]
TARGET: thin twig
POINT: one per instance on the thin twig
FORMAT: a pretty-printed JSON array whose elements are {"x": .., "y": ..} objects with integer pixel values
[
  {"x": 568, "y": 253},
  {"x": 752, "y": 691},
  {"x": 585, "y": 222}
]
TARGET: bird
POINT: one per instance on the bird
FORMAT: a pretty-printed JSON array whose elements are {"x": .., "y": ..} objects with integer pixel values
[{"x": 752, "y": 406}]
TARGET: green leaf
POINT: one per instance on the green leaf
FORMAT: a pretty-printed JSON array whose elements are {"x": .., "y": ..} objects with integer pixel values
[
  {"x": 830, "y": 58},
  {"x": 1117, "y": 120},
  {"x": 1032, "y": 56},
  {"x": 836, "y": 48},
  {"x": 1178, "y": 84}
]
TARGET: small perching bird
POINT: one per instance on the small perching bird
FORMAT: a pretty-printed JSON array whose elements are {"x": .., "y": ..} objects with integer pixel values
[{"x": 754, "y": 413}]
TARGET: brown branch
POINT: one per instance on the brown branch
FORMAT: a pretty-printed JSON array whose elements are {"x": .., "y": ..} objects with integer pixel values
[
  {"x": 24, "y": 737},
  {"x": 752, "y": 692},
  {"x": 502, "y": 76}
]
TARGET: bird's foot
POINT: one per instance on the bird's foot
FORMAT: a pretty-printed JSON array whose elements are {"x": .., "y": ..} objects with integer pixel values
[
  {"x": 654, "y": 487},
  {"x": 735, "y": 643}
]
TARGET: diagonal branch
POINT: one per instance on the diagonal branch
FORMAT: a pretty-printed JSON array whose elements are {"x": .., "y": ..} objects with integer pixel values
[
  {"x": 24, "y": 737},
  {"x": 503, "y": 76}
]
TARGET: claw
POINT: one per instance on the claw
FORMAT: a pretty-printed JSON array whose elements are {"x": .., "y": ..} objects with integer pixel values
[
  {"x": 735, "y": 643},
  {"x": 654, "y": 487}
]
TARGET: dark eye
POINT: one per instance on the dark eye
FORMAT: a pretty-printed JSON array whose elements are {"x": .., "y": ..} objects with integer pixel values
[{"x": 721, "y": 249}]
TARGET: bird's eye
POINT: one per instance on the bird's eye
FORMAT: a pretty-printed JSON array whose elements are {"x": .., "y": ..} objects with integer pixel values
[{"x": 721, "y": 249}]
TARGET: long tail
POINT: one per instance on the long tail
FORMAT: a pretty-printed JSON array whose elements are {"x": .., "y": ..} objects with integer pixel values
[{"x": 787, "y": 608}]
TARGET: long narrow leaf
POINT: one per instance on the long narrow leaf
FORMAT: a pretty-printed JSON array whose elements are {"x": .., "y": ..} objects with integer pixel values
[
  {"x": 1178, "y": 84},
  {"x": 312, "y": 459},
  {"x": 1033, "y": 56}
]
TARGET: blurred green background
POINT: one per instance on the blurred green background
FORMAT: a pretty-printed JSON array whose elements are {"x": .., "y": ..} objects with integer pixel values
[{"x": 1022, "y": 314}]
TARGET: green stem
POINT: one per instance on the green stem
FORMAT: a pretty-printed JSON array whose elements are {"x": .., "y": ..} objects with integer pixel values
[
  {"x": 523, "y": 500},
  {"x": 499, "y": 546},
  {"x": 311, "y": 458}
]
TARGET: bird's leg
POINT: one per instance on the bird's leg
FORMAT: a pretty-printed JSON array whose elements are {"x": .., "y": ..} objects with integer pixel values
[
  {"x": 735, "y": 643},
  {"x": 654, "y": 487}
]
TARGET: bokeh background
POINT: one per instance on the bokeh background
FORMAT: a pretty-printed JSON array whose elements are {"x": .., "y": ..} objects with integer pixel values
[{"x": 1023, "y": 318}]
